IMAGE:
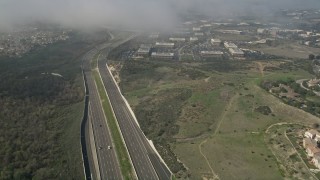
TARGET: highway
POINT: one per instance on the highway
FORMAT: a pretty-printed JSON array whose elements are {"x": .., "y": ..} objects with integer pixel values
[
  {"x": 108, "y": 163},
  {"x": 146, "y": 162}
]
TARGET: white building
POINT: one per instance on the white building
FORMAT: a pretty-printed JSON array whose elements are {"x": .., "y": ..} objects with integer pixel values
[
  {"x": 164, "y": 44},
  {"x": 312, "y": 83},
  {"x": 162, "y": 55},
  {"x": 261, "y": 31},
  {"x": 196, "y": 29},
  {"x": 215, "y": 42},
  {"x": 193, "y": 39},
  {"x": 316, "y": 160},
  {"x": 311, "y": 133},
  {"x": 154, "y": 35},
  {"x": 177, "y": 39},
  {"x": 236, "y": 52},
  {"x": 312, "y": 150},
  {"x": 229, "y": 45},
  {"x": 231, "y": 32},
  {"x": 143, "y": 51},
  {"x": 198, "y": 34},
  {"x": 211, "y": 53}
]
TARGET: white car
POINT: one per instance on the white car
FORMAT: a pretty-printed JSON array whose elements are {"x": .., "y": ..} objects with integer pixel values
[{"x": 109, "y": 147}]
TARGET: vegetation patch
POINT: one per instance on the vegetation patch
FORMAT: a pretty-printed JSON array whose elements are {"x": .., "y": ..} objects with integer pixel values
[
  {"x": 41, "y": 100},
  {"x": 263, "y": 110},
  {"x": 291, "y": 92},
  {"x": 157, "y": 117},
  {"x": 192, "y": 73}
]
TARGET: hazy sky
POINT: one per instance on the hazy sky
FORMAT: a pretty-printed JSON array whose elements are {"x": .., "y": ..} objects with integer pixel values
[{"x": 132, "y": 13}]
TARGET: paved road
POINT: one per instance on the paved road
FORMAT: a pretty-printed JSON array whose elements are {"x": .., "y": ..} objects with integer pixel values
[
  {"x": 108, "y": 162},
  {"x": 146, "y": 162}
]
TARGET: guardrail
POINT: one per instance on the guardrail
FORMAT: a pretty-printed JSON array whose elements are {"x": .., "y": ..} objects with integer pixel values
[{"x": 82, "y": 131}]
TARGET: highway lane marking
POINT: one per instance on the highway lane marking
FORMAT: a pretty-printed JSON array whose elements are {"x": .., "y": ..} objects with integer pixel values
[
  {"x": 122, "y": 117},
  {"x": 123, "y": 104},
  {"x": 157, "y": 160},
  {"x": 140, "y": 142},
  {"x": 94, "y": 149},
  {"x": 99, "y": 139},
  {"x": 105, "y": 122}
]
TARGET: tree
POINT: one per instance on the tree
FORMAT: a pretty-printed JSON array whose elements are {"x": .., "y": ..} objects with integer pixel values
[
  {"x": 315, "y": 125},
  {"x": 311, "y": 56}
]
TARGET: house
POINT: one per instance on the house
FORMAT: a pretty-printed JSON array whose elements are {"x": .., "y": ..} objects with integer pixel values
[
  {"x": 309, "y": 142},
  {"x": 311, "y": 133},
  {"x": 313, "y": 82},
  {"x": 312, "y": 150},
  {"x": 316, "y": 160}
]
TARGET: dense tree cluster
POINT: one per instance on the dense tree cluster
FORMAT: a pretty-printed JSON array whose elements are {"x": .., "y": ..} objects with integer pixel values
[
  {"x": 306, "y": 104},
  {"x": 34, "y": 104}
]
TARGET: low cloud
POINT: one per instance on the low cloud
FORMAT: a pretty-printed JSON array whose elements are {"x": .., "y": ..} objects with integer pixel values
[{"x": 132, "y": 13}]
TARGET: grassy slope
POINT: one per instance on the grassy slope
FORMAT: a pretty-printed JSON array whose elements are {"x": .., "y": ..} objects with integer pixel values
[
  {"x": 241, "y": 133},
  {"x": 237, "y": 150},
  {"x": 72, "y": 117}
]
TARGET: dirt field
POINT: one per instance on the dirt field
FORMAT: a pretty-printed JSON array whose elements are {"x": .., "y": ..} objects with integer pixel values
[{"x": 291, "y": 50}]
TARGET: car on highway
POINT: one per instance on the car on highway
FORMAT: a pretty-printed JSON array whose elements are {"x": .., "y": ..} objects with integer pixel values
[{"x": 109, "y": 147}]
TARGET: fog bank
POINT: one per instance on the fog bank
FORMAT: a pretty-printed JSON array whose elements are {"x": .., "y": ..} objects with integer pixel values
[{"x": 133, "y": 13}]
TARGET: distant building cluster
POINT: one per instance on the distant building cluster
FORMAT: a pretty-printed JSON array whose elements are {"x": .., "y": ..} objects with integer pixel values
[
  {"x": 224, "y": 39},
  {"x": 20, "y": 42}
]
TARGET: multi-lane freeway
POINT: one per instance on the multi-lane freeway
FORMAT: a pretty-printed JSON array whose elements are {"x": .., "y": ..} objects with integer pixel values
[
  {"x": 147, "y": 164},
  {"x": 108, "y": 164}
]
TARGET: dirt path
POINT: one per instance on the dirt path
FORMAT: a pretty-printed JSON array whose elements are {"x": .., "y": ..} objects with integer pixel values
[
  {"x": 261, "y": 68},
  {"x": 215, "y": 175},
  {"x": 201, "y": 136}
]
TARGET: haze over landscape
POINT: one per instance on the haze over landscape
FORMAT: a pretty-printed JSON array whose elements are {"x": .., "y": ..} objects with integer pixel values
[
  {"x": 159, "y": 89},
  {"x": 133, "y": 13}
]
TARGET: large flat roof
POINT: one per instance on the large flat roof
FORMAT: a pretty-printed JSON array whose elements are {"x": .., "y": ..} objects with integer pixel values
[{"x": 211, "y": 52}]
